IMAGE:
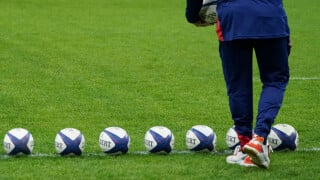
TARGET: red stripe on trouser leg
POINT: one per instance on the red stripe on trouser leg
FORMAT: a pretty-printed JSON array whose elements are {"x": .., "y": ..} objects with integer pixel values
[{"x": 219, "y": 31}]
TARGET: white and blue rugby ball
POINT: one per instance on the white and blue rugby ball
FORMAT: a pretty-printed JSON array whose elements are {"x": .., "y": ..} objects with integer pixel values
[
  {"x": 159, "y": 139},
  {"x": 283, "y": 137},
  {"x": 69, "y": 141},
  {"x": 201, "y": 138},
  {"x": 232, "y": 139},
  {"x": 114, "y": 140},
  {"x": 18, "y": 141}
]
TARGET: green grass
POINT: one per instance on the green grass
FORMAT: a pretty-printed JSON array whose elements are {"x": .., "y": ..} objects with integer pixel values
[{"x": 136, "y": 64}]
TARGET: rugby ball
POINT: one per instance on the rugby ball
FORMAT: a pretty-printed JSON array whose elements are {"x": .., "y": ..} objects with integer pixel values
[
  {"x": 114, "y": 140},
  {"x": 283, "y": 137},
  {"x": 201, "y": 138},
  {"x": 69, "y": 141},
  {"x": 159, "y": 139},
  {"x": 232, "y": 139},
  {"x": 18, "y": 141}
]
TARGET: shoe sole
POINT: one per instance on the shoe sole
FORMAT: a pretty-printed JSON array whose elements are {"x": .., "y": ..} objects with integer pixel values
[
  {"x": 234, "y": 162},
  {"x": 242, "y": 164},
  {"x": 255, "y": 158},
  {"x": 248, "y": 165}
]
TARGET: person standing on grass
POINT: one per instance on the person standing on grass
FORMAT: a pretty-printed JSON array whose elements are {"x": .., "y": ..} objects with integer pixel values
[{"x": 244, "y": 26}]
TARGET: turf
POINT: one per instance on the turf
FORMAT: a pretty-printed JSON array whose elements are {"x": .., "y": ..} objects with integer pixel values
[{"x": 137, "y": 64}]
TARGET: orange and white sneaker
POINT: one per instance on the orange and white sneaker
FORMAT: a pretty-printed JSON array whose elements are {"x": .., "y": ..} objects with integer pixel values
[
  {"x": 240, "y": 158},
  {"x": 247, "y": 162},
  {"x": 258, "y": 152},
  {"x": 237, "y": 157}
]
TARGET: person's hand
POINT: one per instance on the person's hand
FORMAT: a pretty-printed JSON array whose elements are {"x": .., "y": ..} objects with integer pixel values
[
  {"x": 202, "y": 24},
  {"x": 208, "y": 12}
]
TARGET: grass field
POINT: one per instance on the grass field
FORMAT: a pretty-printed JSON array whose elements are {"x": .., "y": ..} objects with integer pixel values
[{"x": 137, "y": 64}]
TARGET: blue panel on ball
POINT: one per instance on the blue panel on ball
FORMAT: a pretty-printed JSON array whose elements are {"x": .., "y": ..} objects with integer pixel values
[
  {"x": 121, "y": 144},
  {"x": 72, "y": 145},
  {"x": 205, "y": 141},
  {"x": 20, "y": 144},
  {"x": 163, "y": 143}
]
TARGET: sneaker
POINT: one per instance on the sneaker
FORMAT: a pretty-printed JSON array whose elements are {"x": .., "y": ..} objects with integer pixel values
[
  {"x": 240, "y": 158},
  {"x": 247, "y": 162},
  {"x": 237, "y": 157},
  {"x": 258, "y": 152}
]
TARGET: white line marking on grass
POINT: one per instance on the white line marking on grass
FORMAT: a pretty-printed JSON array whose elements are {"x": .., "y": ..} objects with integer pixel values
[
  {"x": 305, "y": 78},
  {"x": 308, "y": 149},
  {"x": 298, "y": 79},
  {"x": 101, "y": 154},
  {"x": 220, "y": 152}
]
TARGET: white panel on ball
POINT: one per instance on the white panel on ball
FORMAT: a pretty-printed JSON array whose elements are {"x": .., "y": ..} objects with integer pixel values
[{"x": 232, "y": 139}]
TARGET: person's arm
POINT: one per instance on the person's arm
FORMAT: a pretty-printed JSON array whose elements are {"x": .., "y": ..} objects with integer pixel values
[{"x": 192, "y": 11}]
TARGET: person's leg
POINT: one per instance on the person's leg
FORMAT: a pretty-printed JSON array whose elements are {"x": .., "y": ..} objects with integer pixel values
[
  {"x": 272, "y": 56},
  {"x": 236, "y": 59}
]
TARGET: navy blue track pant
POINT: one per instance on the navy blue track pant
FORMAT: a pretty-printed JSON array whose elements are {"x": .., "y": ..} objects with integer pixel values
[{"x": 272, "y": 58}]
